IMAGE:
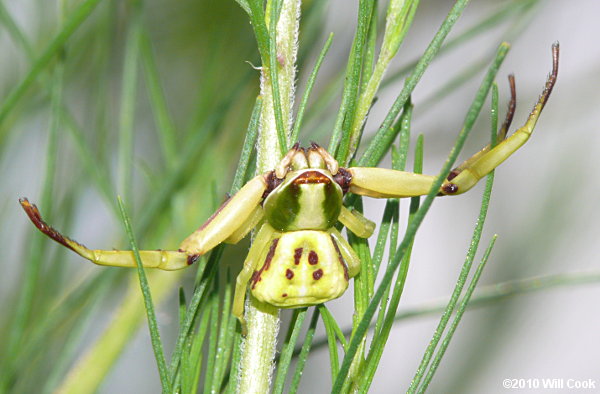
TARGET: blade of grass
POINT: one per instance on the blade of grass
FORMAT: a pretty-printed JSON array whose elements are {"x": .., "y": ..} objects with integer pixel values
[
  {"x": 213, "y": 336},
  {"x": 76, "y": 336},
  {"x": 164, "y": 123},
  {"x": 151, "y": 314},
  {"x": 128, "y": 102},
  {"x": 236, "y": 357},
  {"x": 382, "y": 334},
  {"x": 419, "y": 216},
  {"x": 198, "y": 297},
  {"x": 223, "y": 343},
  {"x": 247, "y": 148},
  {"x": 303, "y": 355},
  {"x": 459, "y": 313},
  {"x": 75, "y": 19},
  {"x": 369, "y": 158},
  {"x": 400, "y": 14},
  {"x": 309, "y": 85},
  {"x": 37, "y": 246},
  {"x": 190, "y": 377},
  {"x": 272, "y": 17},
  {"x": 352, "y": 78},
  {"x": 521, "y": 8},
  {"x": 466, "y": 268},
  {"x": 334, "y": 360},
  {"x": 288, "y": 348}
]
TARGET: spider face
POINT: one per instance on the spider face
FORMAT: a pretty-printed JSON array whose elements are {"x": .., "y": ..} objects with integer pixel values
[{"x": 306, "y": 200}]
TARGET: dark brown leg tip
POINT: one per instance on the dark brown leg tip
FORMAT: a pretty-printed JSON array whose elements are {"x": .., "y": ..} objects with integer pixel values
[
  {"x": 191, "y": 259},
  {"x": 450, "y": 188},
  {"x": 36, "y": 218}
]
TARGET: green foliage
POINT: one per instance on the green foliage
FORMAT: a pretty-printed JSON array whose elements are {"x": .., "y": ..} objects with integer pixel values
[{"x": 161, "y": 148}]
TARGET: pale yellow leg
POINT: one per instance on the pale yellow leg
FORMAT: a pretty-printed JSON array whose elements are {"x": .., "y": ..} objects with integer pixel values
[
  {"x": 501, "y": 133},
  {"x": 482, "y": 164},
  {"x": 348, "y": 254},
  {"x": 261, "y": 240},
  {"x": 384, "y": 183},
  {"x": 162, "y": 259},
  {"x": 255, "y": 217},
  {"x": 228, "y": 218},
  {"x": 356, "y": 222}
]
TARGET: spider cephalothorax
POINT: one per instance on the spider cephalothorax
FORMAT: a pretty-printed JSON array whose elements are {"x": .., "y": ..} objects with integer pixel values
[{"x": 298, "y": 256}]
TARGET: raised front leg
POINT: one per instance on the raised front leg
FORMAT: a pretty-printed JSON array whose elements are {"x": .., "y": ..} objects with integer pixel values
[
  {"x": 162, "y": 259},
  {"x": 383, "y": 183}
]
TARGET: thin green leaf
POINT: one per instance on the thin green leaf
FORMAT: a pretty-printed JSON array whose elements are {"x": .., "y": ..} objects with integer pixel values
[
  {"x": 213, "y": 335},
  {"x": 466, "y": 268},
  {"x": 77, "y": 17},
  {"x": 37, "y": 247},
  {"x": 303, "y": 355},
  {"x": 382, "y": 334},
  {"x": 223, "y": 343},
  {"x": 352, "y": 81},
  {"x": 128, "y": 104},
  {"x": 288, "y": 348},
  {"x": 145, "y": 287},
  {"x": 459, "y": 313},
  {"x": 309, "y": 85},
  {"x": 249, "y": 141},
  {"x": 164, "y": 123},
  {"x": 329, "y": 323},
  {"x": 273, "y": 16},
  {"x": 369, "y": 158}
]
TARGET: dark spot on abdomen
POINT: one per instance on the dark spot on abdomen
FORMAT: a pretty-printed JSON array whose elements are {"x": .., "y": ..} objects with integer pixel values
[
  {"x": 289, "y": 274},
  {"x": 318, "y": 274},
  {"x": 313, "y": 258},
  {"x": 297, "y": 255}
]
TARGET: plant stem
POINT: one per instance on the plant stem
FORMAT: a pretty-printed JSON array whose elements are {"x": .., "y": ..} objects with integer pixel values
[{"x": 258, "y": 348}]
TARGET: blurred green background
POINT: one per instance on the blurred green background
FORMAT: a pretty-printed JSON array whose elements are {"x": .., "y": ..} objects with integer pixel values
[{"x": 200, "y": 54}]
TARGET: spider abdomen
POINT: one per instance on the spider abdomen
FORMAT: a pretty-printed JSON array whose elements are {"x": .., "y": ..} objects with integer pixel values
[{"x": 300, "y": 268}]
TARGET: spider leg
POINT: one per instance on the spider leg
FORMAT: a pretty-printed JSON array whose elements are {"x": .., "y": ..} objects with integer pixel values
[
  {"x": 385, "y": 183},
  {"x": 255, "y": 217},
  {"x": 501, "y": 133},
  {"x": 228, "y": 219},
  {"x": 356, "y": 222},
  {"x": 476, "y": 168},
  {"x": 263, "y": 237},
  {"x": 162, "y": 259}
]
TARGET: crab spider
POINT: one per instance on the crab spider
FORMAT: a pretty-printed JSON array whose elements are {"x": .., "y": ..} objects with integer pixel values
[{"x": 298, "y": 257}]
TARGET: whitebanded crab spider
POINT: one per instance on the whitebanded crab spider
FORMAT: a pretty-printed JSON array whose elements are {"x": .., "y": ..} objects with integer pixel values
[{"x": 298, "y": 257}]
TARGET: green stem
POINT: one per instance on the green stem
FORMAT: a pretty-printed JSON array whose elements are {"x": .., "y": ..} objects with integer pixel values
[{"x": 258, "y": 348}]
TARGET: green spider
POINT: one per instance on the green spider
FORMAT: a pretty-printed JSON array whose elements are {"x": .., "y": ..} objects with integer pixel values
[{"x": 298, "y": 257}]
